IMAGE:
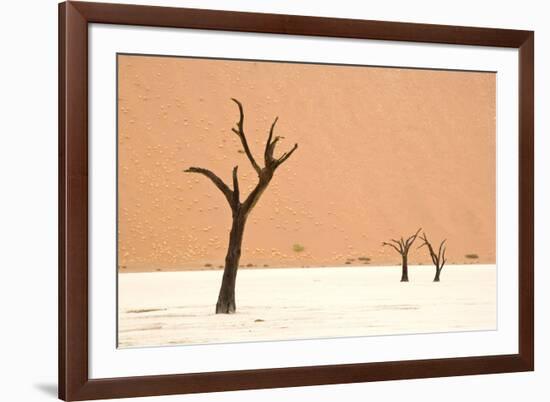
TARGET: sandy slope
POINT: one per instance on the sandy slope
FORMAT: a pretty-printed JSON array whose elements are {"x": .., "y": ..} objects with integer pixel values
[
  {"x": 177, "y": 307},
  {"x": 382, "y": 151}
]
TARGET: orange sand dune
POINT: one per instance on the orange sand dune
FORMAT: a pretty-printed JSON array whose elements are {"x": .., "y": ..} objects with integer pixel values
[{"x": 382, "y": 152}]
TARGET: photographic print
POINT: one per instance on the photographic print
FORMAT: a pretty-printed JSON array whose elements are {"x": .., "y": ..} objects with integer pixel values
[{"x": 265, "y": 201}]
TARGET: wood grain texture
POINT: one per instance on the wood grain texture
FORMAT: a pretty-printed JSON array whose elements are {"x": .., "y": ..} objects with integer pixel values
[
  {"x": 298, "y": 25},
  {"x": 74, "y": 18},
  {"x": 73, "y": 203},
  {"x": 526, "y": 201}
]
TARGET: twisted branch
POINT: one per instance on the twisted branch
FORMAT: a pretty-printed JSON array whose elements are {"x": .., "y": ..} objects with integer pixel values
[
  {"x": 236, "y": 194},
  {"x": 240, "y": 133},
  {"x": 264, "y": 174},
  {"x": 216, "y": 180},
  {"x": 402, "y": 246},
  {"x": 438, "y": 259}
]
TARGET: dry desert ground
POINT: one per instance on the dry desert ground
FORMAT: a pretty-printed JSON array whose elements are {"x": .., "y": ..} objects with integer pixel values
[{"x": 173, "y": 308}]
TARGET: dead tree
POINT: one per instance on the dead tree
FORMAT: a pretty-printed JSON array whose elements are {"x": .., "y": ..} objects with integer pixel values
[
  {"x": 241, "y": 209},
  {"x": 402, "y": 247},
  {"x": 437, "y": 259}
]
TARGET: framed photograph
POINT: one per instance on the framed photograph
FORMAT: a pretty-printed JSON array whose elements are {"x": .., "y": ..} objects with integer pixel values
[{"x": 260, "y": 200}]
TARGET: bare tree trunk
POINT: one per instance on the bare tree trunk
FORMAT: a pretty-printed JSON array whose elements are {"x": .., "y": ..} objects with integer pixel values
[
  {"x": 437, "y": 272},
  {"x": 405, "y": 269},
  {"x": 402, "y": 246},
  {"x": 438, "y": 259},
  {"x": 226, "y": 298}
]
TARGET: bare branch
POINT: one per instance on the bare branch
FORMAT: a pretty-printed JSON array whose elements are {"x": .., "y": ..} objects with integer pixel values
[
  {"x": 286, "y": 155},
  {"x": 254, "y": 195},
  {"x": 215, "y": 179},
  {"x": 240, "y": 133},
  {"x": 270, "y": 161},
  {"x": 393, "y": 246},
  {"x": 438, "y": 259},
  {"x": 399, "y": 244},
  {"x": 236, "y": 193},
  {"x": 268, "y": 143},
  {"x": 443, "y": 259},
  {"x": 440, "y": 247},
  {"x": 411, "y": 239},
  {"x": 426, "y": 243},
  {"x": 270, "y": 148}
]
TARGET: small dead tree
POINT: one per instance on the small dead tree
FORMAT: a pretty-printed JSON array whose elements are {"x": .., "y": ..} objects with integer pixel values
[
  {"x": 402, "y": 247},
  {"x": 241, "y": 209},
  {"x": 437, "y": 259}
]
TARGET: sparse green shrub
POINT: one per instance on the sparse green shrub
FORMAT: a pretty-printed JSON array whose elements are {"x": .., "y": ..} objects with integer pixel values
[{"x": 298, "y": 248}]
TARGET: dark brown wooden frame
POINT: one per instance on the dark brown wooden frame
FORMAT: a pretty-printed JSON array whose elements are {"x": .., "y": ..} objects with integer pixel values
[{"x": 74, "y": 383}]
